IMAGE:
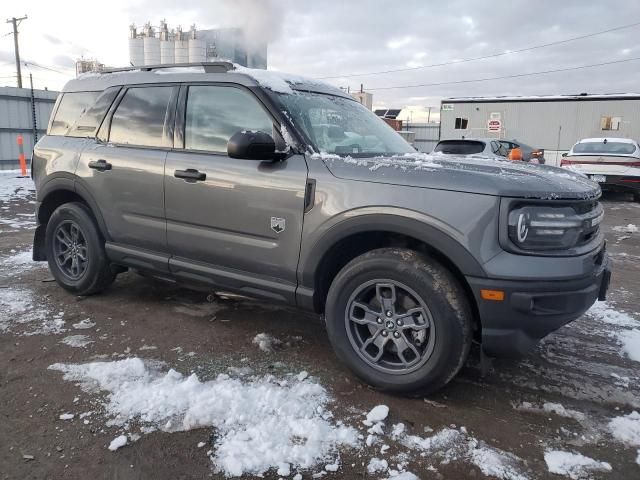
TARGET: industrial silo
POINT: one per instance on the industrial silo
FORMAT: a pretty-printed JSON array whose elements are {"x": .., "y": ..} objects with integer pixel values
[
  {"x": 151, "y": 46},
  {"x": 167, "y": 46},
  {"x": 197, "y": 47},
  {"x": 181, "y": 47},
  {"x": 136, "y": 48}
]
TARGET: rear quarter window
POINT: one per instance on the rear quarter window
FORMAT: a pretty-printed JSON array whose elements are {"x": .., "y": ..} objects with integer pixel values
[
  {"x": 460, "y": 147},
  {"x": 72, "y": 106}
]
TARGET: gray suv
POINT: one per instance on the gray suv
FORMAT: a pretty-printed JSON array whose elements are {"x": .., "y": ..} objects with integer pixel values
[{"x": 287, "y": 189}]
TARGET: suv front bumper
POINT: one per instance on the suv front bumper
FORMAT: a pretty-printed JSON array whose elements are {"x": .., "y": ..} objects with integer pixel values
[{"x": 533, "y": 309}]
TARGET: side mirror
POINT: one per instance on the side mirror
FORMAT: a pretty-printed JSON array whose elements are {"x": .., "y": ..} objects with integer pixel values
[
  {"x": 565, "y": 154},
  {"x": 248, "y": 145}
]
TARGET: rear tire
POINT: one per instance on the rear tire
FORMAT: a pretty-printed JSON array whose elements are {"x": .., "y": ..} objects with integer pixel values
[
  {"x": 403, "y": 301},
  {"x": 75, "y": 250}
]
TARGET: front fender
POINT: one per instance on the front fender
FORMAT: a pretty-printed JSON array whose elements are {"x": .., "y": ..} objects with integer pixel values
[{"x": 448, "y": 241}]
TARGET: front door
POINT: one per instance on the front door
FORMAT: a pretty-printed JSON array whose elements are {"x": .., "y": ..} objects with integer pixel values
[{"x": 233, "y": 223}]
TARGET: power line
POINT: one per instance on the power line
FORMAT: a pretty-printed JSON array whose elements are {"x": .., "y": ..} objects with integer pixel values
[
  {"x": 518, "y": 75},
  {"x": 34, "y": 64},
  {"x": 485, "y": 57}
]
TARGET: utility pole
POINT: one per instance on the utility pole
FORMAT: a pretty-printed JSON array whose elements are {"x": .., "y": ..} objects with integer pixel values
[
  {"x": 16, "y": 21},
  {"x": 429, "y": 115}
]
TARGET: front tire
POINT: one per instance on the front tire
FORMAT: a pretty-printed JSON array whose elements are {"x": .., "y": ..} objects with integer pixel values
[
  {"x": 399, "y": 320},
  {"x": 75, "y": 250}
]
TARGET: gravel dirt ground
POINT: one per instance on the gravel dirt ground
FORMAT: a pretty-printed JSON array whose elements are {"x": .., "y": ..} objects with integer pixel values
[{"x": 561, "y": 397}]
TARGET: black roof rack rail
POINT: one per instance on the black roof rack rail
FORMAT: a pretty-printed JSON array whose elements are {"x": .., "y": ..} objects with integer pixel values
[{"x": 209, "y": 67}]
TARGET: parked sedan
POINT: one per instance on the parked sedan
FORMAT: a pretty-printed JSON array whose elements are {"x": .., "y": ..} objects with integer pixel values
[
  {"x": 612, "y": 162},
  {"x": 478, "y": 147}
]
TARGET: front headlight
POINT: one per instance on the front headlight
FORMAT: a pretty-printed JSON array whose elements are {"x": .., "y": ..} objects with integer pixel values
[{"x": 545, "y": 228}]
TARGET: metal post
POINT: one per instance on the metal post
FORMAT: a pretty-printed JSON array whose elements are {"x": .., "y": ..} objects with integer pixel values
[
  {"x": 34, "y": 119},
  {"x": 16, "y": 21},
  {"x": 429, "y": 115}
]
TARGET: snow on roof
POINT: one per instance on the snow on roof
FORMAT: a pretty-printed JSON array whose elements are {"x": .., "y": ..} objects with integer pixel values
[{"x": 524, "y": 98}]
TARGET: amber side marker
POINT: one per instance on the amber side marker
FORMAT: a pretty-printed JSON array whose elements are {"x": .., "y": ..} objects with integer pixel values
[{"x": 495, "y": 295}]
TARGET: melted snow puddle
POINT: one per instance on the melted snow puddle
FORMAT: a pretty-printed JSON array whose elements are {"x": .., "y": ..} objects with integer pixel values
[
  {"x": 261, "y": 424},
  {"x": 19, "y": 308}
]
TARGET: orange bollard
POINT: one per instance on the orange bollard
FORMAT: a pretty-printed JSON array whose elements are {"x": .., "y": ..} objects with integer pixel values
[{"x": 23, "y": 161}]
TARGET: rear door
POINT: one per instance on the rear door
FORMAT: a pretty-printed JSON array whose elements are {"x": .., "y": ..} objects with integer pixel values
[
  {"x": 124, "y": 172},
  {"x": 239, "y": 225}
]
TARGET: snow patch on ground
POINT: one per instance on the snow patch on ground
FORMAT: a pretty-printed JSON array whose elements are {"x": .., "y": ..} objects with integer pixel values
[
  {"x": 266, "y": 342},
  {"x": 630, "y": 341},
  {"x": 117, "y": 443},
  {"x": 605, "y": 313},
  {"x": 13, "y": 187},
  {"x": 84, "y": 324},
  {"x": 77, "y": 341},
  {"x": 631, "y": 228},
  {"x": 626, "y": 429},
  {"x": 550, "y": 407},
  {"x": 574, "y": 465},
  {"x": 450, "y": 445},
  {"x": 260, "y": 424},
  {"x": 18, "y": 263},
  {"x": 20, "y": 308}
]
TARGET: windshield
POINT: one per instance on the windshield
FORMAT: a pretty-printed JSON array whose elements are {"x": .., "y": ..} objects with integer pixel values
[
  {"x": 342, "y": 126},
  {"x": 459, "y": 147},
  {"x": 604, "y": 148}
]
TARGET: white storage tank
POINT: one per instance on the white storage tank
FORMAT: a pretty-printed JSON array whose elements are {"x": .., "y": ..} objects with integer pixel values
[
  {"x": 151, "y": 51},
  {"x": 181, "y": 47},
  {"x": 197, "y": 47},
  {"x": 167, "y": 51},
  {"x": 136, "y": 47}
]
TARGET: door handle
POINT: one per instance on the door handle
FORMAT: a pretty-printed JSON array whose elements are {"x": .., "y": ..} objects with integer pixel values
[
  {"x": 190, "y": 174},
  {"x": 100, "y": 165}
]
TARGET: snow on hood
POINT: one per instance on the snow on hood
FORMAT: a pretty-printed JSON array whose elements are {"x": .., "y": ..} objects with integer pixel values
[{"x": 465, "y": 174}]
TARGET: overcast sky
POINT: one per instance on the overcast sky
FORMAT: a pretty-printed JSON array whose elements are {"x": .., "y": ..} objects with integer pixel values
[{"x": 334, "y": 38}]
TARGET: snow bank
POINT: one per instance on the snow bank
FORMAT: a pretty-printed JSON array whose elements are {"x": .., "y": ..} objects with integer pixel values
[
  {"x": 630, "y": 341},
  {"x": 260, "y": 424},
  {"x": 626, "y": 429},
  {"x": 574, "y": 465}
]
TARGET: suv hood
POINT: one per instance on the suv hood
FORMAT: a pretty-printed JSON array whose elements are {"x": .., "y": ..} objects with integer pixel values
[{"x": 465, "y": 174}]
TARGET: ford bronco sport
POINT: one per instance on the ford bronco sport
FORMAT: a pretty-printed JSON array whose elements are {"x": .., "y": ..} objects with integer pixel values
[{"x": 287, "y": 189}]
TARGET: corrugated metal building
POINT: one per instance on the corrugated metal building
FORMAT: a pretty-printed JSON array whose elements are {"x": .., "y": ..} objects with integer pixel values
[
  {"x": 426, "y": 135},
  {"x": 554, "y": 123},
  {"x": 16, "y": 118}
]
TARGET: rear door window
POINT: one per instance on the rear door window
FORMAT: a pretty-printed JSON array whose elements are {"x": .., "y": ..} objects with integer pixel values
[
  {"x": 460, "y": 147},
  {"x": 140, "y": 117},
  {"x": 215, "y": 113},
  {"x": 72, "y": 106},
  {"x": 91, "y": 119}
]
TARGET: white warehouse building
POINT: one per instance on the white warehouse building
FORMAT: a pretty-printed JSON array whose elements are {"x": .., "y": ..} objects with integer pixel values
[{"x": 554, "y": 123}]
